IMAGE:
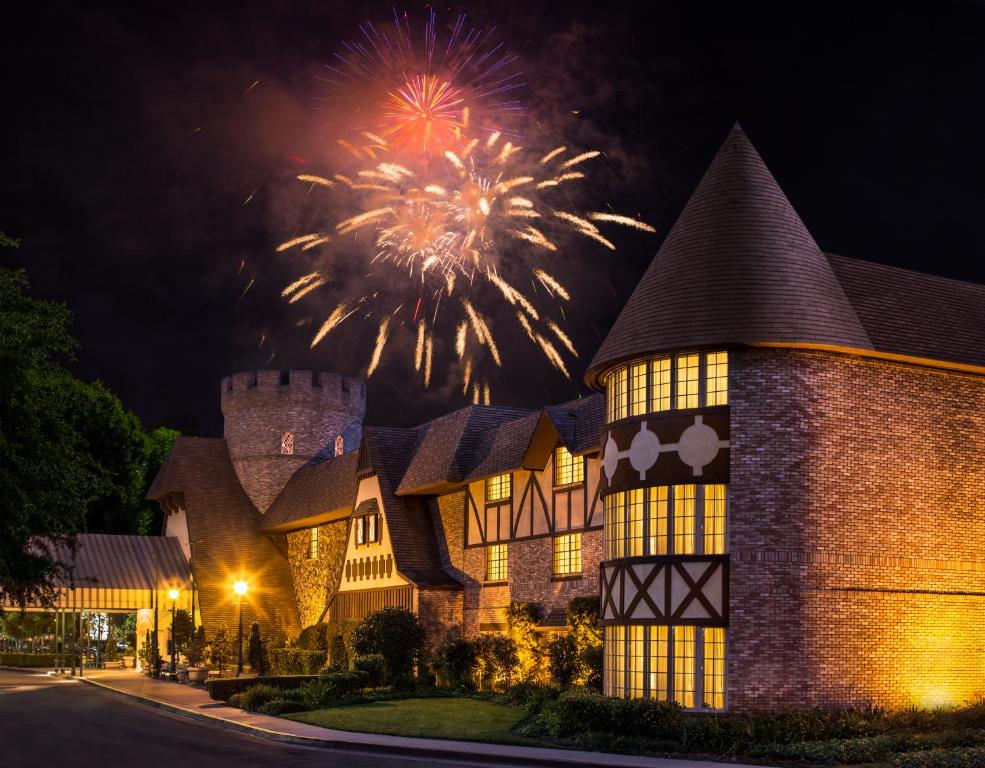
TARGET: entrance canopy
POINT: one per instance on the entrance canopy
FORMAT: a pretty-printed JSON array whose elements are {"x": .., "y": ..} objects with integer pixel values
[{"x": 119, "y": 573}]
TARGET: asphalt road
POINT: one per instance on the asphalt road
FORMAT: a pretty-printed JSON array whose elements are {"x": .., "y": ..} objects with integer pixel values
[{"x": 46, "y": 722}]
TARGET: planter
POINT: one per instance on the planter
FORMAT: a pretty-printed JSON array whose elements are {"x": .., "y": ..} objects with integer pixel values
[
  {"x": 197, "y": 674},
  {"x": 129, "y": 661},
  {"x": 182, "y": 675}
]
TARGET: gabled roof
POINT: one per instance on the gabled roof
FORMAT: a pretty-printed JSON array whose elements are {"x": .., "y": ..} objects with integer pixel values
[
  {"x": 738, "y": 266},
  {"x": 315, "y": 495},
  {"x": 579, "y": 422}
]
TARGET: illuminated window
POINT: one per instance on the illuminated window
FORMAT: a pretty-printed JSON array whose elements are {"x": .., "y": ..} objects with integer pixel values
[
  {"x": 684, "y": 519},
  {"x": 666, "y": 520},
  {"x": 360, "y": 530},
  {"x": 372, "y": 528},
  {"x": 568, "y": 469},
  {"x": 567, "y": 554},
  {"x": 716, "y": 378},
  {"x": 660, "y": 384},
  {"x": 287, "y": 443},
  {"x": 659, "y": 650},
  {"x": 713, "y": 693},
  {"x": 498, "y": 488},
  {"x": 637, "y": 389},
  {"x": 616, "y": 391},
  {"x": 312, "y": 543},
  {"x": 339, "y": 445},
  {"x": 679, "y": 663},
  {"x": 687, "y": 381},
  {"x": 684, "y": 664},
  {"x": 496, "y": 562},
  {"x": 714, "y": 519}
]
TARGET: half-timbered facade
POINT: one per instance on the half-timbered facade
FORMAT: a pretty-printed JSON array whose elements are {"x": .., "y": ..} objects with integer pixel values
[{"x": 775, "y": 492}]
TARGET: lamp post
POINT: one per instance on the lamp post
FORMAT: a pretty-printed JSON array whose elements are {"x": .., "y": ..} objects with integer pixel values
[
  {"x": 240, "y": 589},
  {"x": 173, "y": 594}
]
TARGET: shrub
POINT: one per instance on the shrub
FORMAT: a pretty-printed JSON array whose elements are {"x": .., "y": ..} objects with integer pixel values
[
  {"x": 314, "y": 638},
  {"x": 295, "y": 661},
  {"x": 521, "y": 621},
  {"x": 973, "y": 757},
  {"x": 221, "y": 689},
  {"x": 196, "y": 648},
  {"x": 454, "y": 663},
  {"x": 374, "y": 666},
  {"x": 279, "y": 707},
  {"x": 339, "y": 638},
  {"x": 219, "y": 650},
  {"x": 579, "y": 709},
  {"x": 28, "y": 659},
  {"x": 496, "y": 661},
  {"x": 563, "y": 662},
  {"x": 184, "y": 629},
  {"x": 591, "y": 668},
  {"x": 256, "y": 696},
  {"x": 257, "y": 651},
  {"x": 341, "y": 684},
  {"x": 395, "y": 634},
  {"x": 531, "y": 696}
]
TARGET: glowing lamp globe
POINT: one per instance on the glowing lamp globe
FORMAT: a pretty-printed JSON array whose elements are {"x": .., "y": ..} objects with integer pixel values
[
  {"x": 240, "y": 587},
  {"x": 173, "y": 594}
]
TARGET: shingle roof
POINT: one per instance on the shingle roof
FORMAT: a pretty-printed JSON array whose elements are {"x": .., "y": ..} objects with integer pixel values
[
  {"x": 106, "y": 561},
  {"x": 579, "y": 422},
  {"x": 738, "y": 266},
  {"x": 314, "y": 494}
]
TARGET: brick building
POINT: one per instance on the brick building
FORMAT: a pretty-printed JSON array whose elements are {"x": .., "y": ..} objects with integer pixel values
[{"x": 776, "y": 493}]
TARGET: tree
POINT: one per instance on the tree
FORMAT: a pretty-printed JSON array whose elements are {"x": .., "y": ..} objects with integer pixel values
[
  {"x": 395, "y": 634},
  {"x": 183, "y": 631},
  {"x": 256, "y": 652},
  {"x": 521, "y": 621},
  {"x": 157, "y": 446},
  {"x": 219, "y": 650}
]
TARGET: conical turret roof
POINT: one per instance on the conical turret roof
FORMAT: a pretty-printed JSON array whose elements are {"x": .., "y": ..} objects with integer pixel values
[{"x": 738, "y": 266}]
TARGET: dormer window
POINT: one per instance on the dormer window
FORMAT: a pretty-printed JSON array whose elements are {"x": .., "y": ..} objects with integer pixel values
[
  {"x": 313, "y": 543},
  {"x": 367, "y": 529},
  {"x": 691, "y": 380},
  {"x": 287, "y": 443},
  {"x": 499, "y": 488},
  {"x": 568, "y": 469}
]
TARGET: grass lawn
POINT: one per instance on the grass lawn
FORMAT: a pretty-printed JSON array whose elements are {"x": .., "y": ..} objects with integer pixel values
[{"x": 438, "y": 718}]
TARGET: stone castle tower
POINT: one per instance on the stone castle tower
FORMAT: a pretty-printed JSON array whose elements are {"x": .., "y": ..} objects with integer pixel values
[{"x": 278, "y": 421}]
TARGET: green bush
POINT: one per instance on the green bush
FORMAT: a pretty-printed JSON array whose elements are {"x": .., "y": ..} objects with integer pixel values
[
  {"x": 454, "y": 663},
  {"x": 395, "y": 634},
  {"x": 28, "y": 659},
  {"x": 531, "y": 696},
  {"x": 973, "y": 757},
  {"x": 563, "y": 663},
  {"x": 579, "y": 709},
  {"x": 220, "y": 649},
  {"x": 374, "y": 667},
  {"x": 279, "y": 707},
  {"x": 296, "y": 661},
  {"x": 257, "y": 653},
  {"x": 314, "y": 638},
  {"x": 340, "y": 684},
  {"x": 256, "y": 696},
  {"x": 496, "y": 659},
  {"x": 339, "y": 637},
  {"x": 591, "y": 667},
  {"x": 221, "y": 689},
  {"x": 522, "y": 619}
]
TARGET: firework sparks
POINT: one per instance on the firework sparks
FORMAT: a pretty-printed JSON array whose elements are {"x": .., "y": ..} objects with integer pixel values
[{"x": 382, "y": 335}]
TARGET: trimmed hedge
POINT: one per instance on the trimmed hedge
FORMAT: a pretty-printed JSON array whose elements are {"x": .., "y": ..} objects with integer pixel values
[
  {"x": 296, "y": 661},
  {"x": 29, "y": 659},
  {"x": 223, "y": 688},
  {"x": 942, "y": 758}
]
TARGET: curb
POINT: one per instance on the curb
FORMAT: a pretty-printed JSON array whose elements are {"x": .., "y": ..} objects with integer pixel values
[{"x": 603, "y": 761}]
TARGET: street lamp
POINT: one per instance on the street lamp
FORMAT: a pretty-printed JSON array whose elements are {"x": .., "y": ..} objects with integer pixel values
[
  {"x": 173, "y": 594},
  {"x": 240, "y": 589}
]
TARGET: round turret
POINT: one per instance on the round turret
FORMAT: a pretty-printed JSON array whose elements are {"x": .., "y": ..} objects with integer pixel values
[{"x": 277, "y": 421}]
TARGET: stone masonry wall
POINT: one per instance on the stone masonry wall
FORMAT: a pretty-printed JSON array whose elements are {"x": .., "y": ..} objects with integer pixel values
[
  {"x": 529, "y": 569},
  {"x": 857, "y": 532},
  {"x": 317, "y": 579}
]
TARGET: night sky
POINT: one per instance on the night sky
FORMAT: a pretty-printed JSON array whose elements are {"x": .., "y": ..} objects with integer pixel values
[{"x": 132, "y": 138}]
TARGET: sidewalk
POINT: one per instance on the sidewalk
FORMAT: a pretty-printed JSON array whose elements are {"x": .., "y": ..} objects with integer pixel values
[{"x": 194, "y": 702}]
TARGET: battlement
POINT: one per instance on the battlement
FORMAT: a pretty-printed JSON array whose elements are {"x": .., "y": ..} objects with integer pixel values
[{"x": 333, "y": 390}]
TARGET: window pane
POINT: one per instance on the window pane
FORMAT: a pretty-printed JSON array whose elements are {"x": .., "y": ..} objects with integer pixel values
[
  {"x": 634, "y": 518},
  {"x": 613, "y": 680},
  {"x": 615, "y": 541},
  {"x": 568, "y": 469},
  {"x": 616, "y": 391},
  {"x": 714, "y": 519},
  {"x": 372, "y": 523},
  {"x": 637, "y": 389},
  {"x": 634, "y": 658},
  {"x": 658, "y": 663},
  {"x": 714, "y": 668},
  {"x": 496, "y": 562},
  {"x": 567, "y": 554},
  {"x": 684, "y": 665},
  {"x": 498, "y": 487},
  {"x": 660, "y": 384},
  {"x": 360, "y": 530},
  {"x": 312, "y": 543},
  {"x": 684, "y": 519},
  {"x": 716, "y": 379},
  {"x": 687, "y": 381},
  {"x": 657, "y": 544}
]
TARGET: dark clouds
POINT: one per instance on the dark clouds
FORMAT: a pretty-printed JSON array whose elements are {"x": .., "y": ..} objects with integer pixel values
[{"x": 130, "y": 145}]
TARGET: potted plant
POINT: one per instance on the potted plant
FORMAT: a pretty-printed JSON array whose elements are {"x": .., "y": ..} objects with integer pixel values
[
  {"x": 195, "y": 654},
  {"x": 129, "y": 660}
]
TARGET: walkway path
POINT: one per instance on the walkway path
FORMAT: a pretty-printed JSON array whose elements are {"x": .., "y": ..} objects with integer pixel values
[{"x": 194, "y": 702}]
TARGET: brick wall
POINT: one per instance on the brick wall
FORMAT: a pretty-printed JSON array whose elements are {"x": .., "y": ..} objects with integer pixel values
[
  {"x": 317, "y": 579},
  {"x": 529, "y": 569},
  {"x": 857, "y": 532}
]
